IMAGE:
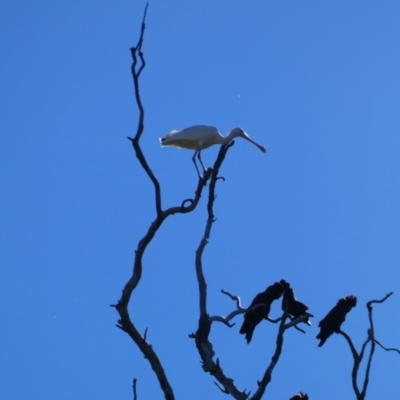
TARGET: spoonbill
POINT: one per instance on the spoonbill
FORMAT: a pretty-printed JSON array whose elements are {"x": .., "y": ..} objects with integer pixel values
[
  {"x": 335, "y": 318},
  {"x": 200, "y": 137}
]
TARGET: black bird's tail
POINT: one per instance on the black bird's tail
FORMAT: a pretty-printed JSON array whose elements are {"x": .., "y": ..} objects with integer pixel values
[{"x": 247, "y": 329}]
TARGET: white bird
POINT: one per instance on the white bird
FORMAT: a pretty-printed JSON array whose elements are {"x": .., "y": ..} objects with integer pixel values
[{"x": 200, "y": 137}]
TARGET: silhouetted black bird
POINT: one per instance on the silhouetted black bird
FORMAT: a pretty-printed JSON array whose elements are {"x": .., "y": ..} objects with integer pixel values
[
  {"x": 335, "y": 318},
  {"x": 295, "y": 308},
  {"x": 253, "y": 317},
  {"x": 299, "y": 396}
]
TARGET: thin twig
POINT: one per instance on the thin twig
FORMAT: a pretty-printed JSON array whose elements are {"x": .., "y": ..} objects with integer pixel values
[
  {"x": 380, "y": 301},
  {"x": 233, "y": 297},
  {"x": 241, "y": 310},
  {"x": 387, "y": 348},
  {"x": 140, "y": 128},
  {"x": 134, "y": 389},
  {"x": 295, "y": 321}
]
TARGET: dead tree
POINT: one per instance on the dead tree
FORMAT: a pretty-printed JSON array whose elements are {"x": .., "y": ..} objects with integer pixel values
[{"x": 210, "y": 363}]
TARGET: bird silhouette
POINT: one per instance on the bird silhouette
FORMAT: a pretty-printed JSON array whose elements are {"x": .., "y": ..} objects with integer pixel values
[
  {"x": 299, "y": 396},
  {"x": 335, "y": 318},
  {"x": 254, "y": 316},
  {"x": 295, "y": 308}
]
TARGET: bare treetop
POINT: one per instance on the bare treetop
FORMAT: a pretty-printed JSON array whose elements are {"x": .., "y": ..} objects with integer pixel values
[{"x": 294, "y": 312}]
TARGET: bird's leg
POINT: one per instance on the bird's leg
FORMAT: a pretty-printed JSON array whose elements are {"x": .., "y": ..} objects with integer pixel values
[
  {"x": 194, "y": 162},
  {"x": 201, "y": 161}
]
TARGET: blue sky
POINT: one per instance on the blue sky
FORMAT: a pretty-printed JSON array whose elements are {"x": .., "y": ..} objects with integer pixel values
[{"x": 317, "y": 84}]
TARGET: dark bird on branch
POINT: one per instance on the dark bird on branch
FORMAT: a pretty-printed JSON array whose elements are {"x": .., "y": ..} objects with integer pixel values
[
  {"x": 299, "y": 396},
  {"x": 335, "y": 318},
  {"x": 254, "y": 316},
  {"x": 295, "y": 308}
]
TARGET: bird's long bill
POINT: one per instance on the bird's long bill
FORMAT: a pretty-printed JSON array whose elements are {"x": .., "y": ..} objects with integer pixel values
[{"x": 247, "y": 137}]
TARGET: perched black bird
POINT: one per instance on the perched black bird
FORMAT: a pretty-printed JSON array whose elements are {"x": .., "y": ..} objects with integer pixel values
[
  {"x": 299, "y": 396},
  {"x": 295, "y": 308},
  {"x": 253, "y": 317},
  {"x": 335, "y": 318}
]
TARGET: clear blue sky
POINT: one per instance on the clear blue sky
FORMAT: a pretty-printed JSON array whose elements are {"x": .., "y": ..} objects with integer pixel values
[{"x": 317, "y": 84}]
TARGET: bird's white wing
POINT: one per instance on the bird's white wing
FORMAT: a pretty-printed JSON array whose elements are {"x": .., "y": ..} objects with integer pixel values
[
  {"x": 190, "y": 138},
  {"x": 169, "y": 135}
]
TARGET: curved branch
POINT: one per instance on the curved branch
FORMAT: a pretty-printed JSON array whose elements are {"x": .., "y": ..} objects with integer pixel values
[
  {"x": 206, "y": 351},
  {"x": 356, "y": 363},
  {"x": 371, "y": 338},
  {"x": 274, "y": 360},
  {"x": 135, "y": 52},
  {"x": 293, "y": 322},
  {"x": 127, "y": 326},
  {"x": 387, "y": 348},
  {"x": 210, "y": 220},
  {"x": 125, "y": 323},
  {"x": 360, "y": 395},
  {"x": 379, "y": 301},
  {"x": 241, "y": 310},
  {"x": 147, "y": 238},
  {"x": 204, "y": 346},
  {"x": 351, "y": 345},
  {"x": 235, "y": 298}
]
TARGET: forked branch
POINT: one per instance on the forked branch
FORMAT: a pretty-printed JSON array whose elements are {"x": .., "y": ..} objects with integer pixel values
[
  {"x": 125, "y": 323},
  {"x": 203, "y": 344},
  {"x": 358, "y": 357}
]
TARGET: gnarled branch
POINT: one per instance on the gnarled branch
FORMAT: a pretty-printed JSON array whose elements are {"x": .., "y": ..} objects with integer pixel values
[
  {"x": 124, "y": 322},
  {"x": 358, "y": 357}
]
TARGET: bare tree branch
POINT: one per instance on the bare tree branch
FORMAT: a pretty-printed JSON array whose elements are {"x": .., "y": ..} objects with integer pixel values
[
  {"x": 240, "y": 310},
  {"x": 233, "y": 314},
  {"x": 235, "y": 298},
  {"x": 274, "y": 360},
  {"x": 364, "y": 346},
  {"x": 379, "y": 301},
  {"x": 210, "y": 220},
  {"x": 134, "y": 389},
  {"x": 204, "y": 346},
  {"x": 358, "y": 357},
  {"x": 356, "y": 363},
  {"x": 274, "y": 321},
  {"x": 125, "y": 323},
  {"x": 387, "y": 348},
  {"x": 371, "y": 336},
  {"x": 293, "y": 322},
  {"x": 135, "y": 51},
  {"x": 225, "y": 320},
  {"x": 279, "y": 342},
  {"x": 350, "y": 342}
]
